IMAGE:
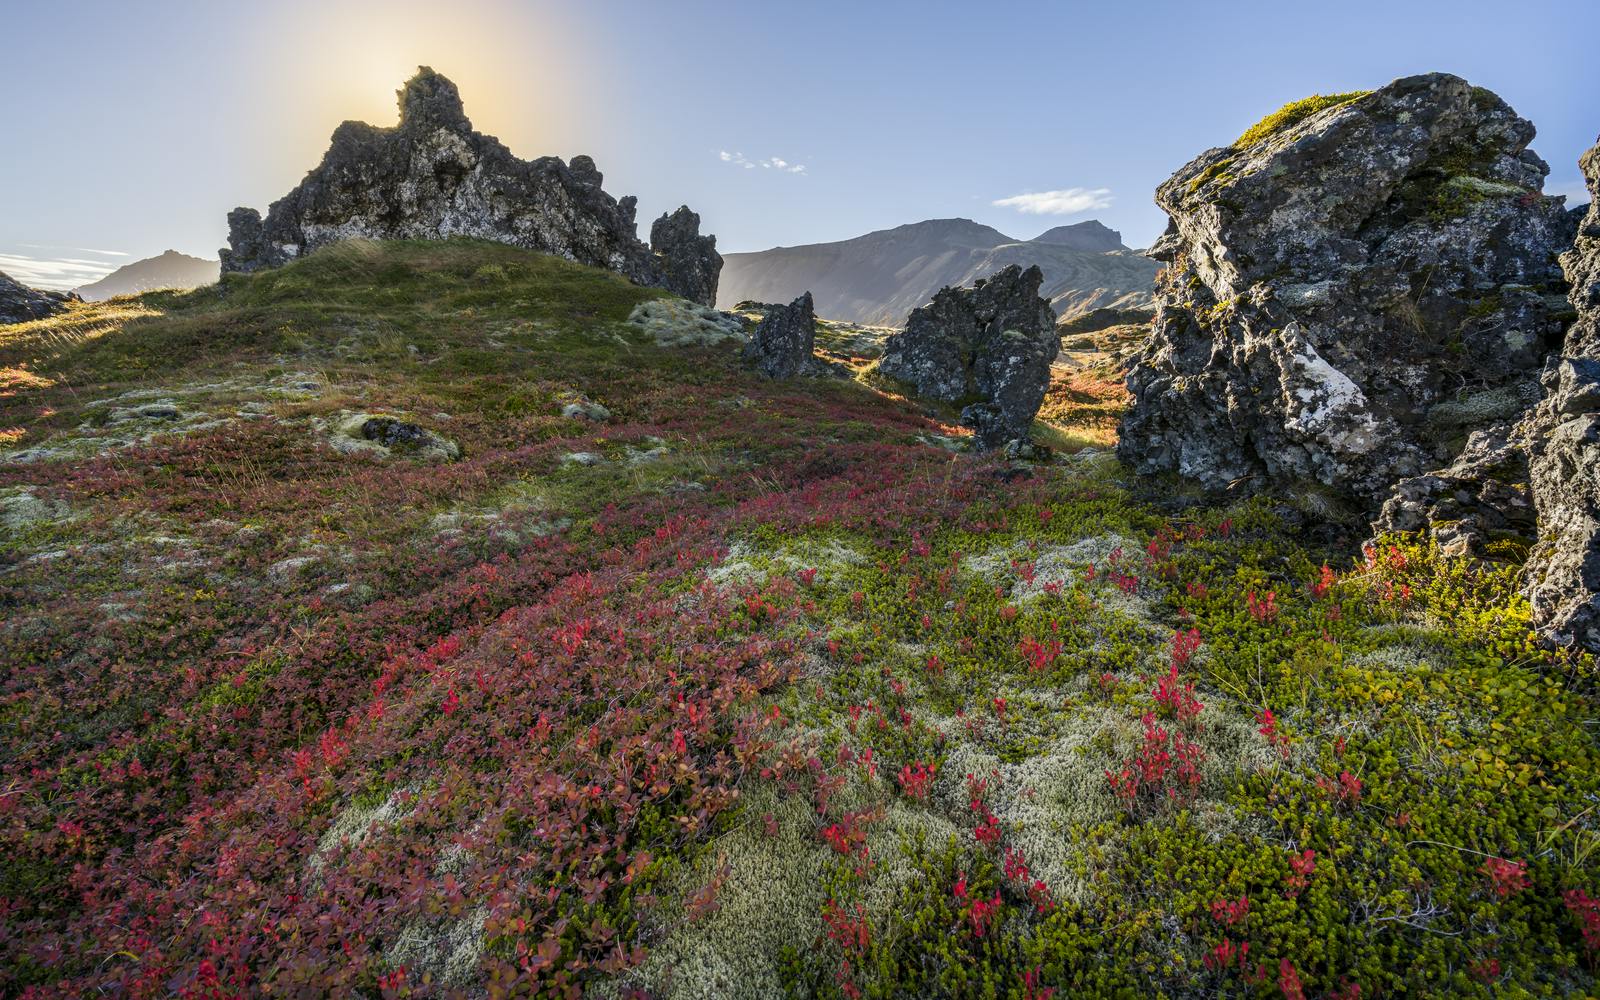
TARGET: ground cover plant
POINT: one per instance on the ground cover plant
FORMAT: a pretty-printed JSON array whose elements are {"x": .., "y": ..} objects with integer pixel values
[{"x": 405, "y": 622}]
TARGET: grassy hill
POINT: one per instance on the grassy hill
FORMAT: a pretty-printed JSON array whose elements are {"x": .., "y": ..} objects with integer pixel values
[{"x": 405, "y": 622}]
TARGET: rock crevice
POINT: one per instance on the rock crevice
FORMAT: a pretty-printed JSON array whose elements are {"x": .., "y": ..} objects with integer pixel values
[{"x": 1563, "y": 571}]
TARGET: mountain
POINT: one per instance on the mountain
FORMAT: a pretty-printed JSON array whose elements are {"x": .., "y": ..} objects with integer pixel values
[
  {"x": 1093, "y": 236},
  {"x": 880, "y": 277},
  {"x": 170, "y": 270}
]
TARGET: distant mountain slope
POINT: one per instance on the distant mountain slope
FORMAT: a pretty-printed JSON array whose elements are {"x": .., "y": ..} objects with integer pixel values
[
  {"x": 1093, "y": 235},
  {"x": 878, "y": 278},
  {"x": 170, "y": 270}
]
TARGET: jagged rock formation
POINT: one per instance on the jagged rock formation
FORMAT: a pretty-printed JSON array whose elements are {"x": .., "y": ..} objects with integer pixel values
[
  {"x": 784, "y": 339},
  {"x": 170, "y": 270},
  {"x": 988, "y": 346},
  {"x": 1352, "y": 287},
  {"x": 877, "y": 278},
  {"x": 1564, "y": 432},
  {"x": 687, "y": 262},
  {"x": 433, "y": 177},
  {"x": 19, "y": 303}
]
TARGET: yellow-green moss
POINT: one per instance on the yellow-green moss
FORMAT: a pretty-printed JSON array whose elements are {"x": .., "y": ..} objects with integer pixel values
[{"x": 1292, "y": 114}]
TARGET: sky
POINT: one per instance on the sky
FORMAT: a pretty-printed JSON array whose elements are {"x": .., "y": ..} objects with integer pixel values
[{"x": 143, "y": 123}]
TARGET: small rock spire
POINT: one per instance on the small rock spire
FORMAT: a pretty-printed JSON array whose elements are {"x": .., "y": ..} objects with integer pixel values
[{"x": 430, "y": 101}]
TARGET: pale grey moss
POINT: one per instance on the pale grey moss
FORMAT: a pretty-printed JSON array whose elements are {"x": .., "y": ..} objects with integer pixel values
[
  {"x": 745, "y": 564},
  {"x": 677, "y": 323}
]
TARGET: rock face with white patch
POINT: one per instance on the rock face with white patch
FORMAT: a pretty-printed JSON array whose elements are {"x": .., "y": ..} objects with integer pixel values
[
  {"x": 433, "y": 177},
  {"x": 988, "y": 346},
  {"x": 1339, "y": 290}
]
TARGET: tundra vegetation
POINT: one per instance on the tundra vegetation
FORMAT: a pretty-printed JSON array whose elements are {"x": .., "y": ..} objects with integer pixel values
[{"x": 406, "y": 622}]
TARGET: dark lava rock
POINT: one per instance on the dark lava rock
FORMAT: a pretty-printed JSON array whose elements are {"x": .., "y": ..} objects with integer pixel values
[
  {"x": 1480, "y": 498},
  {"x": 783, "y": 342},
  {"x": 392, "y": 433},
  {"x": 1349, "y": 293},
  {"x": 1563, "y": 571},
  {"x": 687, "y": 262},
  {"x": 19, "y": 303},
  {"x": 433, "y": 177},
  {"x": 988, "y": 346}
]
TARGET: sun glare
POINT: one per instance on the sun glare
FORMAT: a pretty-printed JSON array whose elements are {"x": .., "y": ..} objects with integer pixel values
[{"x": 352, "y": 69}]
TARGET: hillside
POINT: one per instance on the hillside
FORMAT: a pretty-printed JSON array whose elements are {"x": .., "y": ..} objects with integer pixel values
[
  {"x": 878, "y": 278},
  {"x": 406, "y": 622},
  {"x": 168, "y": 270}
]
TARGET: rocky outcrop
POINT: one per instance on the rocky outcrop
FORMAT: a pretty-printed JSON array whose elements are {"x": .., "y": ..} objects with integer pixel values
[
  {"x": 19, "y": 303},
  {"x": 784, "y": 339},
  {"x": 1352, "y": 287},
  {"x": 433, "y": 177},
  {"x": 989, "y": 346},
  {"x": 1563, "y": 571}
]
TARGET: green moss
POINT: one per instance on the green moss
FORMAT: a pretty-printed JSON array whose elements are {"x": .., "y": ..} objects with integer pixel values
[
  {"x": 1217, "y": 172},
  {"x": 1293, "y": 114}
]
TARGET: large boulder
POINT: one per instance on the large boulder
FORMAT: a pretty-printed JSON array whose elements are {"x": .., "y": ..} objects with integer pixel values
[
  {"x": 19, "y": 303},
  {"x": 433, "y": 177},
  {"x": 784, "y": 340},
  {"x": 987, "y": 348},
  {"x": 1563, "y": 571},
  {"x": 1352, "y": 287}
]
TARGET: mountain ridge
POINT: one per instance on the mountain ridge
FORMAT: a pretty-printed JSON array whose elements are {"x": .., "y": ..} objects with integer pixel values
[{"x": 879, "y": 277}]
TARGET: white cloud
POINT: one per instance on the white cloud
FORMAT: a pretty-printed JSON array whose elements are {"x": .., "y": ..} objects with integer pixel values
[
  {"x": 1068, "y": 201},
  {"x": 770, "y": 163}
]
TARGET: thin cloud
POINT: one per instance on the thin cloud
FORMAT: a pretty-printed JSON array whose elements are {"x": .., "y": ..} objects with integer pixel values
[
  {"x": 98, "y": 253},
  {"x": 55, "y": 273},
  {"x": 770, "y": 163},
  {"x": 1067, "y": 201}
]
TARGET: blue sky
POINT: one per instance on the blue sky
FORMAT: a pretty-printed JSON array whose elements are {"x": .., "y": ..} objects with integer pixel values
[{"x": 142, "y": 124}]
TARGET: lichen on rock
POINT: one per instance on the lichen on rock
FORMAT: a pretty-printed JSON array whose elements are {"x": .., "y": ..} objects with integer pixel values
[
  {"x": 671, "y": 323},
  {"x": 386, "y": 435}
]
